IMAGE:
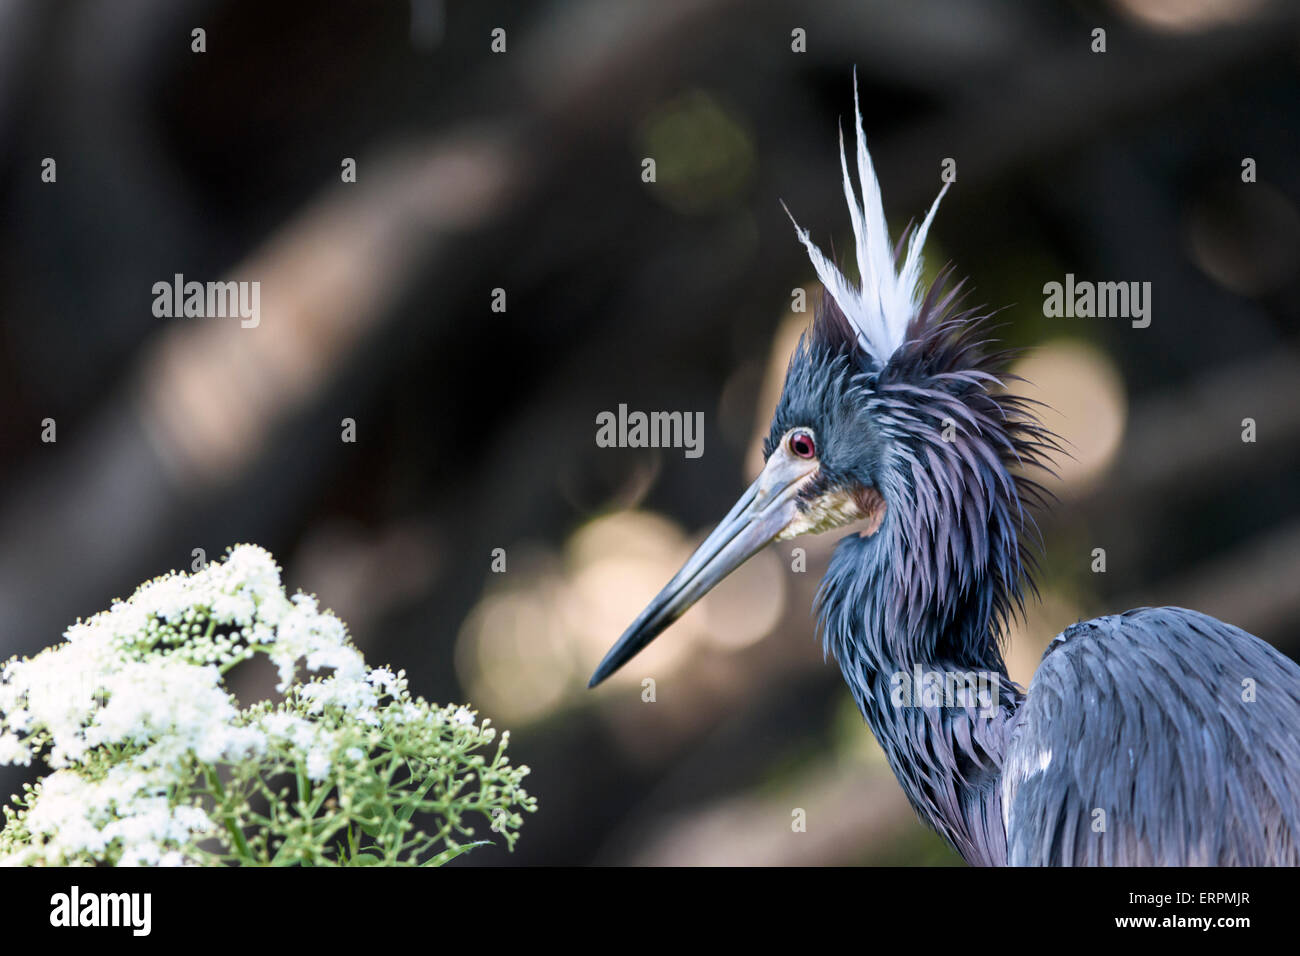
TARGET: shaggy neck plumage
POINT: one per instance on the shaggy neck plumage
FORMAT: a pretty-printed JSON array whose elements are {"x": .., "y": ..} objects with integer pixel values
[
  {"x": 929, "y": 593},
  {"x": 947, "y": 759}
]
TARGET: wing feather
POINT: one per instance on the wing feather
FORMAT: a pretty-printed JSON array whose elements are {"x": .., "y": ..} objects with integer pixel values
[{"x": 1174, "y": 739}]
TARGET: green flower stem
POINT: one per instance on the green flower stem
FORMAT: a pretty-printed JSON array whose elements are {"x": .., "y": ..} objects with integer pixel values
[{"x": 232, "y": 825}]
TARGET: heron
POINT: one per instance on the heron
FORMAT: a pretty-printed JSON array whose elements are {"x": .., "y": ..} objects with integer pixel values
[{"x": 1157, "y": 736}]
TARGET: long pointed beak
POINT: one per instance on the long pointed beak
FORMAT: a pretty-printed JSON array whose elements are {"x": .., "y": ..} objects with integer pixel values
[{"x": 762, "y": 513}]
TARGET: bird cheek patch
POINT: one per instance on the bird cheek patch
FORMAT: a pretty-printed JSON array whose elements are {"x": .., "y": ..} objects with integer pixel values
[{"x": 835, "y": 509}]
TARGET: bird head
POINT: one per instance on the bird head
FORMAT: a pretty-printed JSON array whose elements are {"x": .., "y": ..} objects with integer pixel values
[{"x": 888, "y": 416}]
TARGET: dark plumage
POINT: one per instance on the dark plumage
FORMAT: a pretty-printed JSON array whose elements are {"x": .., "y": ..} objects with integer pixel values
[
  {"x": 1158, "y": 736},
  {"x": 1182, "y": 732}
]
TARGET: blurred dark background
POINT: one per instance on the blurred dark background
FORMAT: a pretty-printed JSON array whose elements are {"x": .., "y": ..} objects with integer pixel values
[{"x": 521, "y": 171}]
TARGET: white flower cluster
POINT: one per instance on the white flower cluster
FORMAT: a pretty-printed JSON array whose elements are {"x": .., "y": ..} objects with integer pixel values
[{"x": 133, "y": 700}]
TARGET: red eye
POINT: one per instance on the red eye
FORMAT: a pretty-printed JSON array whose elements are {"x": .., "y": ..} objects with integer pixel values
[{"x": 802, "y": 444}]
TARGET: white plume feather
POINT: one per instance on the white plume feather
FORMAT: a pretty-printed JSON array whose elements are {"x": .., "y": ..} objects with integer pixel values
[{"x": 883, "y": 305}]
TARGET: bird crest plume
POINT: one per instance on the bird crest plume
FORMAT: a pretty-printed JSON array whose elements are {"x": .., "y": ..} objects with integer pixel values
[{"x": 882, "y": 305}]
